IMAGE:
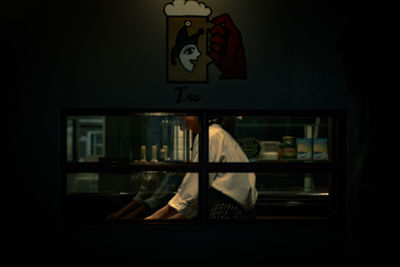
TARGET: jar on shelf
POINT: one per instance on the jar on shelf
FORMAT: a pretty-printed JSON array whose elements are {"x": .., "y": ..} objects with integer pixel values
[{"x": 288, "y": 147}]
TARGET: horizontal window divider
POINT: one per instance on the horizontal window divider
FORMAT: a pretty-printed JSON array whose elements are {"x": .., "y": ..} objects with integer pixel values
[
  {"x": 96, "y": 167},
  {"x": 272, "y": 167},
  {"x": 232, "y": 112},
  {"x": 261, "y": 221}
]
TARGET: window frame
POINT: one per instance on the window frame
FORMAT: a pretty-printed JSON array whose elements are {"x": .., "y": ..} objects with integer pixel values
[{"x": 337, "y": 165}]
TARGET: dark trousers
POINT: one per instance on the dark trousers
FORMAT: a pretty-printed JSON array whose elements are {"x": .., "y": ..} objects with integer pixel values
[{"x": 220, "y": 206}]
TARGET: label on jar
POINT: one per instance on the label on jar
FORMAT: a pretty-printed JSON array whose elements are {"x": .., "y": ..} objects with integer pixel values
[
  {"x": 250, "y": 146},
  {"x": 289, "y": 152}
]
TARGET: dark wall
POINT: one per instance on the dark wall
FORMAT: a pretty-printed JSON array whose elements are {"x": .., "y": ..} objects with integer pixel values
[
  {"x": 369, "y": 47},
  {"x": 111, "y": 54},
  {"x": 102, "y": 54}
]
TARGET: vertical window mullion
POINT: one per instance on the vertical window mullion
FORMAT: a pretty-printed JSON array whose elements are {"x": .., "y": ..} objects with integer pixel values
[
  {"x": 203, "y": 161},
  {"x": 64, "y": 161}
]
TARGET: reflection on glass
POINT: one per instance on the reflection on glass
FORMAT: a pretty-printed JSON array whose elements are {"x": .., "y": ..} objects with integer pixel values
[
  {"x": 143, "y": 137},
  {"x": 282, "y": 138},
  {"x": 293, "y": 183},
  {"x": 120, "y": 196},
  {"x": 85, "y": 138},
  {"x": 145, "y": 182},
  {"x": 293, "y": 194}
]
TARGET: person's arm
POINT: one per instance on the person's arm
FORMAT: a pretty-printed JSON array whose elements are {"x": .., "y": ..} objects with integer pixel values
[
  {"x": 118, "y": 214},
  {"x": 186, "y": 197},
  {"x": 136, "y": 212},
  {"x": 165, "y": 192},
  {"x": 164, "y": 213},
  {"x": 148, "y": 187},
  {"x": 137, "y": 206},
  {"x": 177, "y": 216}
]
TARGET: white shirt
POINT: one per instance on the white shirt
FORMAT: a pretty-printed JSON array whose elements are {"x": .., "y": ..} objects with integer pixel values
[{"x": 238, "y": 186}]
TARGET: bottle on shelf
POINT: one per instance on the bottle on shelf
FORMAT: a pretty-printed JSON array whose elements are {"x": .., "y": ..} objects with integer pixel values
[
  {"x": 154, "y": 153},
  {"x": 165, "y": 147},
  {"x": 308, "y": 183},
  {"x": 143, "y": 154},
  {"x": 288, "y": 147},
  {"x": 162, "y": 154}
]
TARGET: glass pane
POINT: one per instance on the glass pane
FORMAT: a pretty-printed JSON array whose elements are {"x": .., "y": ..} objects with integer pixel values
[
  {"x": 278, "y": 194},
  {"x": 293, "y": 195},
  {"x": 293, "y": 184},
  {"x": 139, "y": 137},
  {"x": 85, "y": 138},
  {"x": 100, "y": 196},
  {"x": 264, "y": 138}
]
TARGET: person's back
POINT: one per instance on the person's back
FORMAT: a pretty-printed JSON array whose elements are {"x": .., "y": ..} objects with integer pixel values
[
  {"x": 238, "y": 186},
  {"x": 223, "y": 148}
]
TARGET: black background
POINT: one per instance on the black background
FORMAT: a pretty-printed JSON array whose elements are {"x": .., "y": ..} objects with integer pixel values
[{"x": 31, "y": 195}]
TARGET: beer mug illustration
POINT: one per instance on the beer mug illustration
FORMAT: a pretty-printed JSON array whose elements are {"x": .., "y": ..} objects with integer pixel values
[
  {"x": 187, "y": 57},
  {"x": 189, "y": 48}
]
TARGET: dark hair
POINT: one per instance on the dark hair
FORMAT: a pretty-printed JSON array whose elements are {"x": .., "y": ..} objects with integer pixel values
[
  {"x": 226, "y": 122},
  {"x": 215, "y": 119}
]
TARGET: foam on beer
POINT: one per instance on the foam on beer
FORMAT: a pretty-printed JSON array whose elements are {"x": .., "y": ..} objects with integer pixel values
[{"x": 186, "y": 8}]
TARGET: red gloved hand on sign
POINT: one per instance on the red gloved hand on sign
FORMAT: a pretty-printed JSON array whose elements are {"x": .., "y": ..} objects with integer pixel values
[{"x": 226, "y": 48}]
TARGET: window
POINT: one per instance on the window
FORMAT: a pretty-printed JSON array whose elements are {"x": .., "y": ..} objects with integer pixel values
[{"x": 113, "y": 157}]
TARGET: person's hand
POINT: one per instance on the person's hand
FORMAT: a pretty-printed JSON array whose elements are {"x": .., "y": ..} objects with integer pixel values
[
  {"x": 116, "y": 215},
  {"x": 153, "y": 217},
  {"x": 162, "y": 214},
  {"x": 135, "y": 213},
  {"x": 226, "y": 48}
]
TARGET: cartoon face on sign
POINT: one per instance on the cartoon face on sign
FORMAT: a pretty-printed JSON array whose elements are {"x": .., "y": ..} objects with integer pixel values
[
  {"x": 194, "y": 42},
  {"x": 186, "y": 48}
]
